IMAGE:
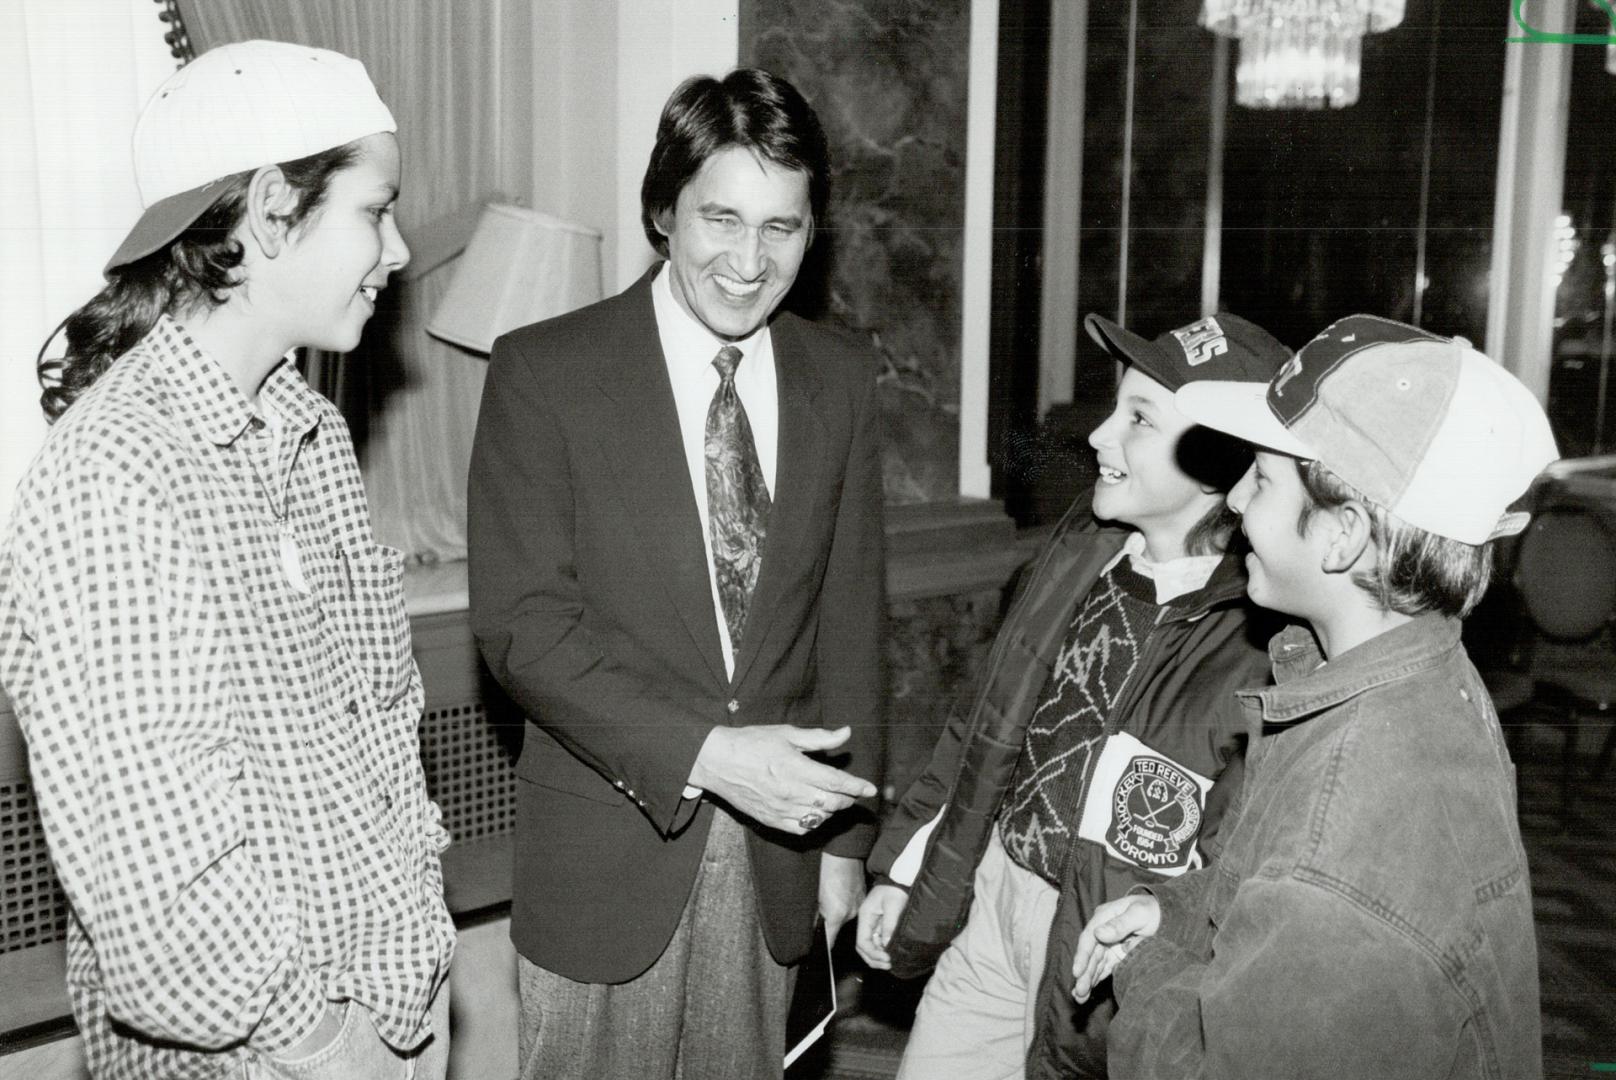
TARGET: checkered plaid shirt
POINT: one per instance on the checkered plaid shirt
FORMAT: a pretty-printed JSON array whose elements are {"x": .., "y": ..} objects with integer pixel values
[{"x": 227, "y": 768}]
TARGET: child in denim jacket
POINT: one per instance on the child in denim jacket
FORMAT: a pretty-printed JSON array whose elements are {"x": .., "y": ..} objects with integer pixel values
[{"x": 1370, "y": 915}]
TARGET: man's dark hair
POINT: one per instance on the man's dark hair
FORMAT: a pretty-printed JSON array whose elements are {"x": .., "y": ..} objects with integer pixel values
[{"x": 749, "y": 108}]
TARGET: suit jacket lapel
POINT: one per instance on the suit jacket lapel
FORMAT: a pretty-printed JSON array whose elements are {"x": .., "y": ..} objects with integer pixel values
[
  {"x": 798, "y": 463},
  {"x": 642, "y": 443}
]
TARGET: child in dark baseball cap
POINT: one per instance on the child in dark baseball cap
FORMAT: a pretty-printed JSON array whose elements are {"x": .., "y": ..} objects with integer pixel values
[
  {"x": 1098, "y": 753},
  {"x": 1371, "y": 915}
]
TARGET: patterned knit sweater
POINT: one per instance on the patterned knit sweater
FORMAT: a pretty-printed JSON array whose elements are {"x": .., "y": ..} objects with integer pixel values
[{"x": 1039, "y": 821}]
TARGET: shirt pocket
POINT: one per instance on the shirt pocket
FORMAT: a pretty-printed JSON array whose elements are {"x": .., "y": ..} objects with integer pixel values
[{"x": 375, "y": 625}]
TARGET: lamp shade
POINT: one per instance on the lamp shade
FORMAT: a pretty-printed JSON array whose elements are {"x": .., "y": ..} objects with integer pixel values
[{"x": 521, "y": 266}]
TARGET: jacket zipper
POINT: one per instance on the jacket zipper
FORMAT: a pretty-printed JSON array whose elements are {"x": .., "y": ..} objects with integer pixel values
[{"x": 996, "y": 654}]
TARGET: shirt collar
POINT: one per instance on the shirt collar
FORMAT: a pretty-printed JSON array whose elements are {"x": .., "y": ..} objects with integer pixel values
[
  {"x": 1173, "y": 578},
  {"x": 1306, "y": 684},
  {"x": 684, "y": 335},
  {"x": 209, "y": 399}
]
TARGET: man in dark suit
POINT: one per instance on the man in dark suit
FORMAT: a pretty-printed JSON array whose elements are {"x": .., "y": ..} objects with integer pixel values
[{"x": 676, "y": 572}]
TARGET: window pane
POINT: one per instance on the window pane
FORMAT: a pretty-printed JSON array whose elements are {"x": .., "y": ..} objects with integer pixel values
[
  {"x": 1581, "y": 348},
  {"x": 1322, "y": 209}
]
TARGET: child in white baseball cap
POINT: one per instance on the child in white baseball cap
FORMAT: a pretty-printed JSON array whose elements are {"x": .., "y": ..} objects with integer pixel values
[
  {"x": 234, "y": 156},
  {"x": 1373, "y": 915},
  {"x": 205, "y": 645}
]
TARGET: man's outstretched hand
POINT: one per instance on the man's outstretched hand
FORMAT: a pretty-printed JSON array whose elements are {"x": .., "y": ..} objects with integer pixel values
[{"x": 765, "y": 773}]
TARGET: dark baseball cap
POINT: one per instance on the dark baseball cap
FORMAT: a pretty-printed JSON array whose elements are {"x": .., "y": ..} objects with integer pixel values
[{"x": 1221, "y": 347}]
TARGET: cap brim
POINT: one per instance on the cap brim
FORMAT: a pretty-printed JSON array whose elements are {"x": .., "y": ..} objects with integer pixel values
[
  {"x": 1239, "y": 409},
  {"x": 1128, "y": 347},
  {"x": 161, "y": 222}
]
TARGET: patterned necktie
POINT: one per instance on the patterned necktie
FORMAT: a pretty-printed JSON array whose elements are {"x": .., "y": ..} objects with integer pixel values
[{"x": 737, "y": 498}]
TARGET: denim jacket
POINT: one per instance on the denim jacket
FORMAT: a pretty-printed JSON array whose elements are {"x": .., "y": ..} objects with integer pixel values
[{"x": 1371, "y": 914}]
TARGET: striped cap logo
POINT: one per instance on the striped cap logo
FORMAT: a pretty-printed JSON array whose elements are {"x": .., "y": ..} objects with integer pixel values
[{"x": 1296, "y": 388}]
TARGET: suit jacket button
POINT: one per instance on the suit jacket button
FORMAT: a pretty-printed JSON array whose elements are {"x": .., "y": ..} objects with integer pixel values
[
  {"x": 353, "y": 708},
  {"x": 733, "y": 706}
]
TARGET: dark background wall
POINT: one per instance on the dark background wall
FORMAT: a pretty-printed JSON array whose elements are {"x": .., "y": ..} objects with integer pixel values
[
  {"x": 1321, "y": 209},
  {"x": 888, "y": 79}
]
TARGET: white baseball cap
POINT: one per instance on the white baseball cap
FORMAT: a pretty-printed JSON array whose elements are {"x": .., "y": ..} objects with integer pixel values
[
  {"x": 1422, "y": 425},
  {"x": 235, "y": 108}
]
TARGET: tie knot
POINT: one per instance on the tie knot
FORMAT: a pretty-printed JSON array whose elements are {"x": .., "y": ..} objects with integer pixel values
[{"x": 726, "y": 361}]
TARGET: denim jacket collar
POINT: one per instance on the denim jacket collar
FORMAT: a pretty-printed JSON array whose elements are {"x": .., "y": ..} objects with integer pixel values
[{"x": 1307, "y": 685}]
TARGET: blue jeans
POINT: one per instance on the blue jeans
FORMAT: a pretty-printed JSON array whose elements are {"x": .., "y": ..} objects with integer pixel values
[{"x": 358, "y": 1053}]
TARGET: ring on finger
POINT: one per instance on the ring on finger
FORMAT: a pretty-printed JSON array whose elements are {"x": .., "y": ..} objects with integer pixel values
[{"x": 811, "y": 820}]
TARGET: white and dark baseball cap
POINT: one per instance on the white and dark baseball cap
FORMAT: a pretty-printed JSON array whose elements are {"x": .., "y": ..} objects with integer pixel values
[
  {"x": 1424, "y": 426},
  {"x": 235, "y": 108}
]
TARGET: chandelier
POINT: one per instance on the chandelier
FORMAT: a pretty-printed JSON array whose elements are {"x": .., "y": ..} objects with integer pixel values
[{"x": 1299, "y": 54}]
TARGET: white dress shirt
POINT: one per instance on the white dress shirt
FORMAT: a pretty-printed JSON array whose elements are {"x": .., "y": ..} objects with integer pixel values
[
  {"x": 1173, "y": 578},
  {"x": 688, "y": 348}
]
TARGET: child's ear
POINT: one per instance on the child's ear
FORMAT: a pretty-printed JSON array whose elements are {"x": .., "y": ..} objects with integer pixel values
[
  {"x": 270, "y": 202},
  {"x": 1350, "y": 539}
]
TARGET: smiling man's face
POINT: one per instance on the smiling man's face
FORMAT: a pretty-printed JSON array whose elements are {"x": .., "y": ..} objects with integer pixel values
[{"x": 736, "y": 240}]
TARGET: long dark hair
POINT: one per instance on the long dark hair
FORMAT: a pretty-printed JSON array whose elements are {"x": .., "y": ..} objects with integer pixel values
[{"x": 198, "y": 267}]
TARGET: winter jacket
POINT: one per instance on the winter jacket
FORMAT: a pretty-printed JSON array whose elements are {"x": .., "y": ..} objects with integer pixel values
[
  {"x": 1371, "y": 914},
  {"x": 1179, "y": 702}
]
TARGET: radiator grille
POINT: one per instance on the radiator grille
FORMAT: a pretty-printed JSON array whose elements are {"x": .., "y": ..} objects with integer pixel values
[
  {"x": 33, "y": 908},
  {"x": 469, "y": 772}
]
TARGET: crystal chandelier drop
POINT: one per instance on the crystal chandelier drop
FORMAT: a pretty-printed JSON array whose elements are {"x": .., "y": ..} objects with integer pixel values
[{"x": 1299, "y": 54}]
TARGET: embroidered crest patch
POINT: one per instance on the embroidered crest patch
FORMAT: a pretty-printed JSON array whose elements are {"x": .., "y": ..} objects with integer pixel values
[
  {"x": 1145, "y": 808},
  {"x": 1155, "y": 814}
]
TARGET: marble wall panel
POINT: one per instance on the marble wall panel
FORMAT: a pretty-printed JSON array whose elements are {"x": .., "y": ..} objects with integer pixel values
[{"x": 888, "y": 79}]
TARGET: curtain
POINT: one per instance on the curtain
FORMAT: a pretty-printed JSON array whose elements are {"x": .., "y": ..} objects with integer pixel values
[
  {"x": 73, "y": 76},
  {"x": 446, "y": 68}
]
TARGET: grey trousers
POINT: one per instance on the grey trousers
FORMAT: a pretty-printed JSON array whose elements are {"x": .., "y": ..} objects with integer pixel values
[{"x": 712, "y": 1007}]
